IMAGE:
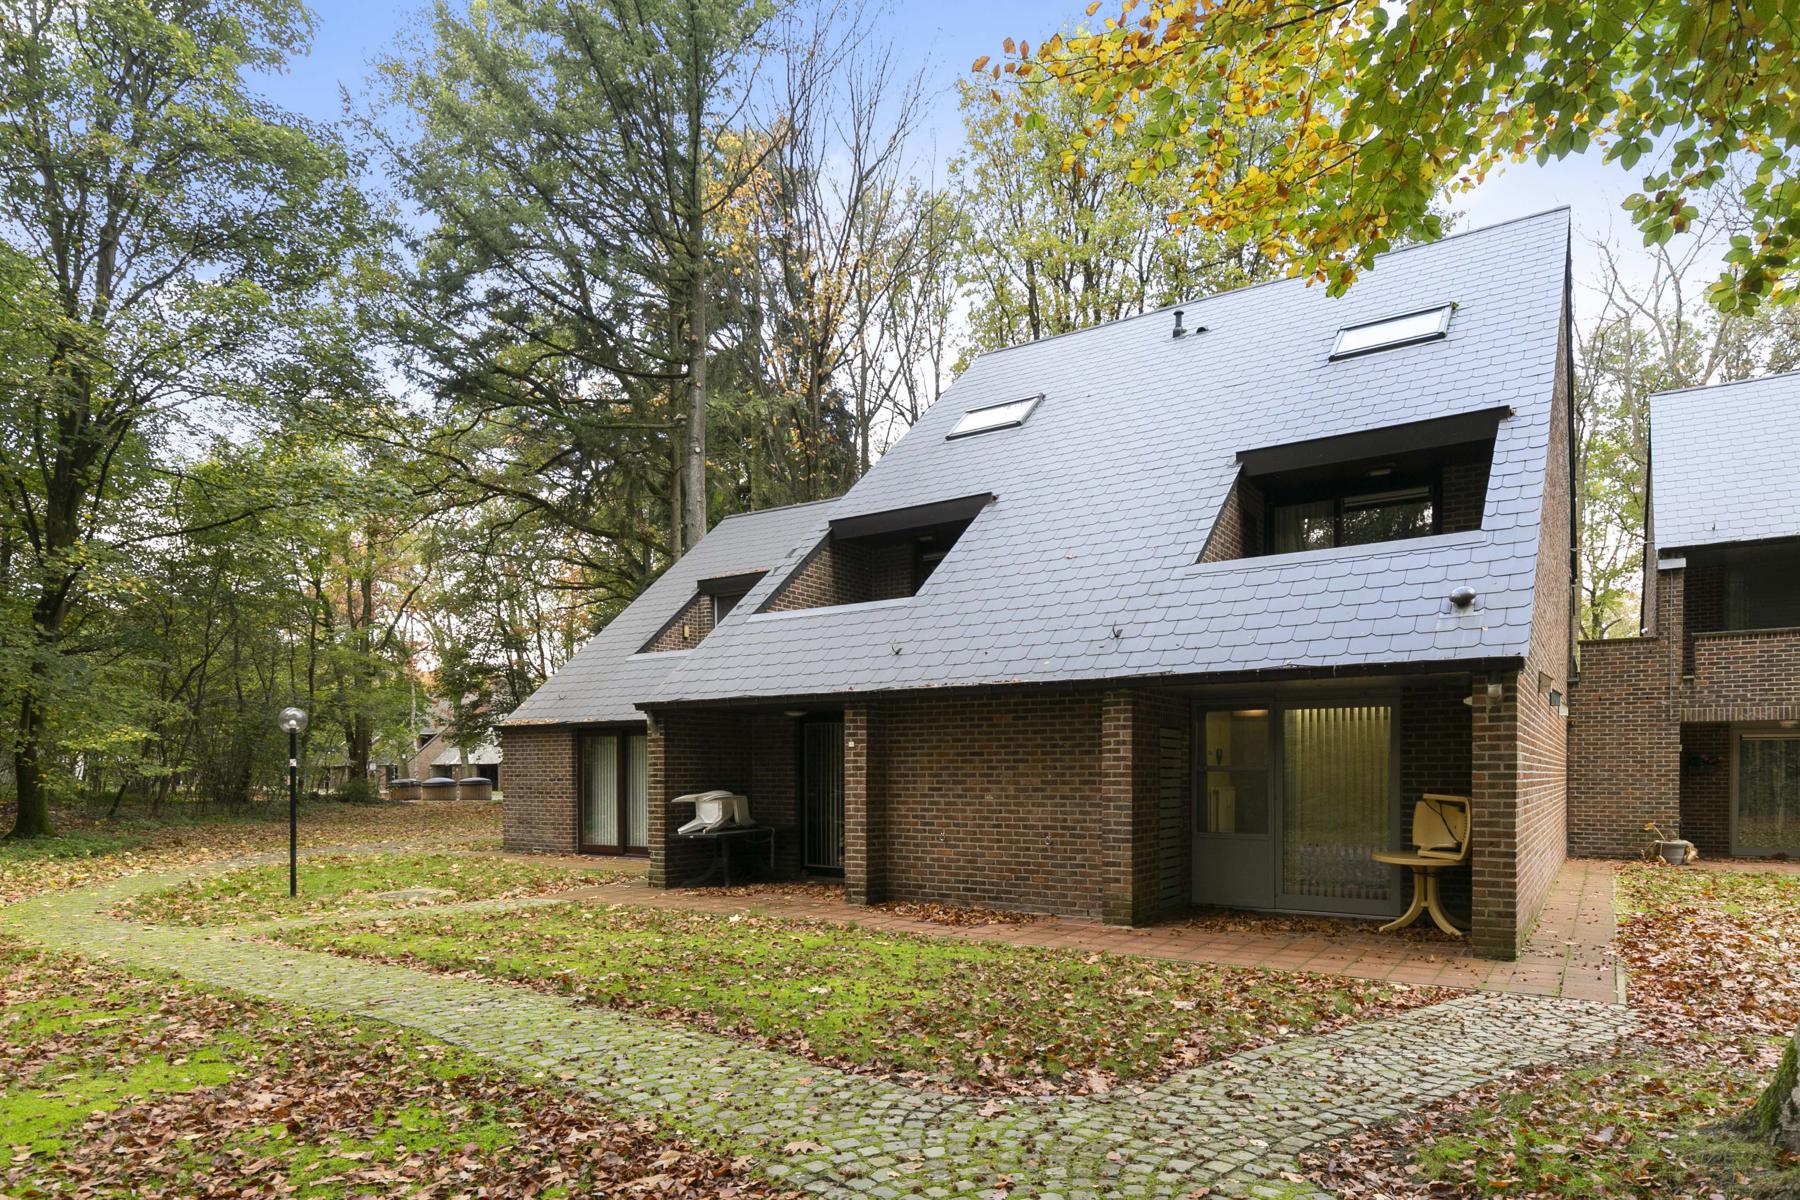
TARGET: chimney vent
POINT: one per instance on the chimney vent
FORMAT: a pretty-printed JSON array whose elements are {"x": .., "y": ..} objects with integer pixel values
[{"x": 1179, "y": 331}]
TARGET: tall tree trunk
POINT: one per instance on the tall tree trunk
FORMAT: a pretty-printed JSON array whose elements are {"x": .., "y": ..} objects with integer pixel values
[
  {"x": 693, "y": 481},
  {"x": 33, "y": 819}
]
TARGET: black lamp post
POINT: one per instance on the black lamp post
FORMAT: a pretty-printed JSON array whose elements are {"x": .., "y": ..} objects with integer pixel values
[{"x": 294, "y": 721}]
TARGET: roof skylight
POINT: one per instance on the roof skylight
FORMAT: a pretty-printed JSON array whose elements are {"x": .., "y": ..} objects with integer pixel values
[
  {"x": 994, "y": 416},
  {"x": 1426, "y": 325}
]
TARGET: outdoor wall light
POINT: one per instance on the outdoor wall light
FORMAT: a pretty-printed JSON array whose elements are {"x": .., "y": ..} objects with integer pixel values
[{"x": 292, "y": 721}]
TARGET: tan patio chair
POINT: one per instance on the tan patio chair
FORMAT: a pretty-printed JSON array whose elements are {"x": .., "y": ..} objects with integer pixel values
[{"x": 1440, "y": 838}]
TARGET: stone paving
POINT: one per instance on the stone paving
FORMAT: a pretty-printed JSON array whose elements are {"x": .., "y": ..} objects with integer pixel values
[{"x": 1235, "y": 1125}]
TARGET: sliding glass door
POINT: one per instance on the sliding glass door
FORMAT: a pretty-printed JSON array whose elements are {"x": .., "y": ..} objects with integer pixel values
[
  {"x": 1292, "y": 803},
  {"x": 615, "y": 792},
  {"x": 1766, "y": 819},
  {"x": 1337, "y": 808}
]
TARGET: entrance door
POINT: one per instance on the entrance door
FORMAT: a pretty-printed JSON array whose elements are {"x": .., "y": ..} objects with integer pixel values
[
  {"x": 615, "y": 793},
  {"x": 1292, "y": 802},
  {"x": 1234, "y": 858},
  {"x": 822, "y": 794},
  {"x": 1766, "y": 805}
]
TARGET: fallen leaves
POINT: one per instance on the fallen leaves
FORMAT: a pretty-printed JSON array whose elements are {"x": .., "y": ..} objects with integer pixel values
[
  {"x": 953, "y": 1014},
  {"x": 304, "y": 1105}
]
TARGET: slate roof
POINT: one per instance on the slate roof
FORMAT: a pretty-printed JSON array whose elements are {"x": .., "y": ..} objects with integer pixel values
[
  {"x": 1722, "y": 462},
  {"x": 1084, "y": 567},
  {"x": 606, "y": 678}
]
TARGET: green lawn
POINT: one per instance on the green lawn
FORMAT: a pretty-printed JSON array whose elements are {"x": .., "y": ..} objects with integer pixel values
[
  {"x": 116, "y": 1085},
  {"x": 349, "y": 882},
  {"x": 984, "y": 1016}
]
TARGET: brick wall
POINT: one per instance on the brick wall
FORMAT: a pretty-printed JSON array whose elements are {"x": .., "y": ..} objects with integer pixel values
[
  {"x": 774, "y": 754},
  {"x": 687, "y": 629},
  {"x": 989, "y": 798},
  {"x": 865, "y": 875},
  {"x": 1706, "y": 788},
  {"x": 834, "y": 573},
  {"x": 1702, "y": 608},
  {"x": 891, "y": 570},
  {"x": 1625, "y": 750},
  {"x": 1435, "y": 727},
  {"x": 1145, "y": 772},
  {"x": 691, "y": 751},
  {"x": 542, "y": 788},
  {"x": 1237, "y": 531},
  {"x": 1464, "y": 495},
  {"x": 1748, "y": 676}
]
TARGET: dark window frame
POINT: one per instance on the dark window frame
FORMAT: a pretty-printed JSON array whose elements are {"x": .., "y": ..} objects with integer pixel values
[
  {"x": 1337, "y": 494},
  {"x": 622, "y": 735}
]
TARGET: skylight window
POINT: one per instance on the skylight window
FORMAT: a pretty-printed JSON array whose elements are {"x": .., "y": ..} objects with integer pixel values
[
  {"x": 1425, "y": 325},
  {"x": 994, "y": 416}
]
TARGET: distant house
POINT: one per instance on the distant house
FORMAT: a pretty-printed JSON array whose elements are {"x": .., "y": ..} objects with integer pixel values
[
  {"x": 1696, "y": 725},
  {"x": 439, "y": 757},
  {"x": 1190, "y": 608}
]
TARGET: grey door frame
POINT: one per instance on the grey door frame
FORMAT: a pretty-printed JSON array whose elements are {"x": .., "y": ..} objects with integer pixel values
[
  {"x": 830, "y": 829},
  {"x": 1277, "y": 704},
  {"x": 1737, "y": 733}
]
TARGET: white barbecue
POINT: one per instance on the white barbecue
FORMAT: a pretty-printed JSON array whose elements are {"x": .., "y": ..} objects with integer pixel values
[{"x": 713, "y": 811}]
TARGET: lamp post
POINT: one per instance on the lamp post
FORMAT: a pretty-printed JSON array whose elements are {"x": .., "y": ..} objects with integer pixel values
[{"x": 293, "y": 720}]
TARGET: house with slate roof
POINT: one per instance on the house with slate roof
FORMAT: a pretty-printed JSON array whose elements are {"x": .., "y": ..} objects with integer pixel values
[
  {"x": 1695, "y": 724},
  {"x": 1189, "y": 608}
]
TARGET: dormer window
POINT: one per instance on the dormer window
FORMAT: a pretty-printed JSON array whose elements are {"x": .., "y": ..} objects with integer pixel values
[
  {"x": 1425, "y": 325},
  {"x": 1386, "y": 484},
  {"x": 994, "y": 416},
  {"x": 877, "y": 556},
  {"x": 1353, "y": 519}
]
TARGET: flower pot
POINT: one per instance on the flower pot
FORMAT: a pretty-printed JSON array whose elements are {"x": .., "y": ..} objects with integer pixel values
[{"x": 1676, "y": 852}]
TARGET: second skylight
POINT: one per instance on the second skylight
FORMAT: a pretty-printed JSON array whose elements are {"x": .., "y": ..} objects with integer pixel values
[
  {"x": 1425, "y": 325},
  {"x": 994, "y": 416}
]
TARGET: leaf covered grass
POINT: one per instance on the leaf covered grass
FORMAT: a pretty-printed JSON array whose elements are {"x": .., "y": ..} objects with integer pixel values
[
  {"x": 1713, "y": 959},
  {"x": 116, "y": 1085},
  {"x": 88, "y": 848},
  {"x": 972, "y": 1016},
  {"x": 339, "y": 883}
]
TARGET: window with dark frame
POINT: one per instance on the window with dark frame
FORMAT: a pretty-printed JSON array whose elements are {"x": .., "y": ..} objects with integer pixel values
[
  {"x": 614, "y": 814},
  {"x": 723, "y": 603},
  {"x": 1353, "y": 518}
]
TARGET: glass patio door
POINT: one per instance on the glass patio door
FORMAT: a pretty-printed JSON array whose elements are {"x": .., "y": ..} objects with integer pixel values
[
  {"x": 1766, "y": 819},
  {"x": 615, "y": 793},
  {"x": 1338, "y": 801},
  {"x": 822, "y": 794}
]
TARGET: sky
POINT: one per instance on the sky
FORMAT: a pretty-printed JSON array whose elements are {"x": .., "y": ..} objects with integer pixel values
[{"x": 943, "y": 37}]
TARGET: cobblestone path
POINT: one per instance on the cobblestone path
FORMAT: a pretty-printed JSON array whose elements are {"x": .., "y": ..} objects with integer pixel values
[{"x": 1235, "y": 1125}]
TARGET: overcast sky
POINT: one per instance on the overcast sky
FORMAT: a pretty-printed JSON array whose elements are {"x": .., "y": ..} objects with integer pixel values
[{"x": 944, "y": 38}]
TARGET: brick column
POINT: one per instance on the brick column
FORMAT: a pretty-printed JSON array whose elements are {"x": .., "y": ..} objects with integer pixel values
[
  {"x": 1129, "y": 892},
  {"x": 656, "y": 764},
  {"x": 863, "y": 794},
  {"x": 1494, "y": 819}
]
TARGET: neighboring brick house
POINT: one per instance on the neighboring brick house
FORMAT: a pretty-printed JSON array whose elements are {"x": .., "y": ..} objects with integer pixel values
[
  {"x": 1695, "y": 725},
  {"x": 1186, "y": 608}
]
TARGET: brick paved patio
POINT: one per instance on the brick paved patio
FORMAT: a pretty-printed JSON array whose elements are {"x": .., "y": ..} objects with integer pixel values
[{"x": 1233, "y": 1125}]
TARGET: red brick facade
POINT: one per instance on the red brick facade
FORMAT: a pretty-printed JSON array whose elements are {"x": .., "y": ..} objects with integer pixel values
[
  {"x": 1650, "y": 712},
  {"x": 847, "y": 572},
  {"x": 543, "y": 789},
  {"x": 687, "y": 629}
]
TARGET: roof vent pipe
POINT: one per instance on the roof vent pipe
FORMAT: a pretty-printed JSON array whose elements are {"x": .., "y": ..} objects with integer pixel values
[
  {"x": 1179, "y": 331},
  {"x": 1463, "y": 596}
]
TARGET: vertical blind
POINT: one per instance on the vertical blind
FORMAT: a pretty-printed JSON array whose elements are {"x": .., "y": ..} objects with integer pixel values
[
  {"x": 1338, "y": 800},
  {"x": 1768, "y": 812},
  {"x": 600, "y": 789}
]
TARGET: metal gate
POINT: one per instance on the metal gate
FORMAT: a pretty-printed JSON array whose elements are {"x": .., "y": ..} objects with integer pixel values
[{"x": 822, "y": 794}]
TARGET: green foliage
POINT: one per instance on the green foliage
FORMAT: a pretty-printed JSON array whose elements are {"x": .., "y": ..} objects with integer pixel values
[
  {"x": 1045, "y": 249},
  {"x": 1765, "y": 1118},
  {"x": 1383, "y": 109}
]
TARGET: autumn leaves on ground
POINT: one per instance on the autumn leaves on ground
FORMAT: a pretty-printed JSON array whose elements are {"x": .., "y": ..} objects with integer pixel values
[{"x": 121, "y": 1085}]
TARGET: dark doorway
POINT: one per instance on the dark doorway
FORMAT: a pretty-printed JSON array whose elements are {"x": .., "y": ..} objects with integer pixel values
[{"x": 822, "y": 795}]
